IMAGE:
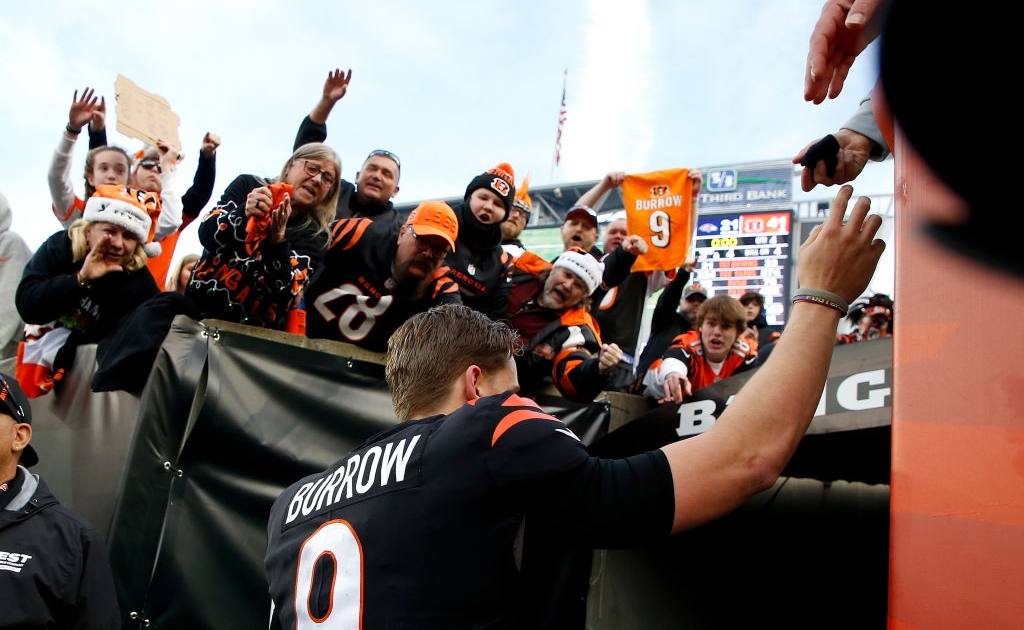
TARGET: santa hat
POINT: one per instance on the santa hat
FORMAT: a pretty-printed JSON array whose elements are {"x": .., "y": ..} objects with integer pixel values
[
  {"x": 500, "y": 180},
  {"x": 588, "y": 268},
  {"x": 126, "y": 207}
]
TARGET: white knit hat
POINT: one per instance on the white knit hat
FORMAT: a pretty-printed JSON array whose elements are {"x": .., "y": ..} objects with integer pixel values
[
  {"x": 588, "y": 268},
  {"x": 124, "y": 207}
]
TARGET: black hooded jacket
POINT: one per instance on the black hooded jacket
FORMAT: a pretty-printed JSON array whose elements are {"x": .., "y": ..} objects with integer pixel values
[
  {"x": 54, "y": 567},
  {"x": 482, "y": 269}
]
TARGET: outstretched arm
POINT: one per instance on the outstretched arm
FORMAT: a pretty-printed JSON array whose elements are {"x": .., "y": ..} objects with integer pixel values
[
  {"x": 613, "y": 179},
  {"x": 98, "y": 125},
  {"x": 839, "y": 158},
  {"x": 335, "y": 88},
  {"x": 668, "y": 302},
  {"x": 170, "y": 198},
  {"x": 747, "y": 448},
  {"x": 199, "y": 193},
  {"x": 64, "y": 203},
  {"x": 843, "y": 31},
  {"x": 314, "y": 126}
]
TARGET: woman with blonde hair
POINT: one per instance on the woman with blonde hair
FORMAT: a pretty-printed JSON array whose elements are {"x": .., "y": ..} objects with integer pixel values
[
  {"x": 177, "y": 280},
  {"x": 265, "y": 242},
  {"x": 81, "y": 282}
]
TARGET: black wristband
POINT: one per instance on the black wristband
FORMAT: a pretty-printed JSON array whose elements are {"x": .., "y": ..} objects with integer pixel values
[{"x": 68, "y": 128}]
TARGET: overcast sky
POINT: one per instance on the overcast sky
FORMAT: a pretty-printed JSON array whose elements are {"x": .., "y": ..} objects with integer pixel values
[{"x": 452, "y": 87}]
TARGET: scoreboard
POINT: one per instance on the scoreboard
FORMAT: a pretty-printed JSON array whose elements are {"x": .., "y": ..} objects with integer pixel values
[{"x": 746, "y": 251}]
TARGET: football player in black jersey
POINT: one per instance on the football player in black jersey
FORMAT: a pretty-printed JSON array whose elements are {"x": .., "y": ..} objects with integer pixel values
[{"x": 417, "y": 527}]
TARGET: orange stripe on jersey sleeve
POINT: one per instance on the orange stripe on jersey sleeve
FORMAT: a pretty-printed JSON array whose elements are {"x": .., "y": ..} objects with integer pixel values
[
  {"x": 76, "y": 206},
  {"x": 443, "y": 285},
  {"x": 347, "y": 232},
  {"x": 565, "y": 362},
  {"x": 514, "y": 418},
  {"x": 516, "y": 400}
]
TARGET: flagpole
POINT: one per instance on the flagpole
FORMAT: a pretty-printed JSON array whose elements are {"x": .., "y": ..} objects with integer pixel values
[{"x": 561, "y": 123}]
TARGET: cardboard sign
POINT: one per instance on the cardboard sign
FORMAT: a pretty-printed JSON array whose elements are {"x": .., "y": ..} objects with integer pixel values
[{"x": 144, "y": 115}]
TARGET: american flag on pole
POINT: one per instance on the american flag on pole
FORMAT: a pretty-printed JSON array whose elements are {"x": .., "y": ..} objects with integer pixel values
[{"x": 561, "y": 122}]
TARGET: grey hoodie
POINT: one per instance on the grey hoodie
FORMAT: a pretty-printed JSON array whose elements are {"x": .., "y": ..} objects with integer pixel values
[{"x": 14, "y": 253}]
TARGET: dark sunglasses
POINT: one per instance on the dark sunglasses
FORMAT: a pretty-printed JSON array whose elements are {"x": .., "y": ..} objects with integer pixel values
[
  {"x": 150, "y": 165},
  {"x": 387, "y": 154}
]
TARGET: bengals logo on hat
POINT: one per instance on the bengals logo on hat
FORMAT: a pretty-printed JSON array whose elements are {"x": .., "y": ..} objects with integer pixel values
[
  {"x": 500, "y": 186},
  {"x": 501, "y": 180}
]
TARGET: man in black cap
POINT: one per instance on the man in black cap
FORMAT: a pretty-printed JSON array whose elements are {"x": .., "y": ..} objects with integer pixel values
[
  {"x": 580, "y": 229},
  {"x": 54, "y": 568},
  {"x": 673, "y": 315}
]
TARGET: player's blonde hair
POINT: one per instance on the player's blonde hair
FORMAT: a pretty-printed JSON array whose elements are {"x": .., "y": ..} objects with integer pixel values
[{"x": 431, "y": 349}]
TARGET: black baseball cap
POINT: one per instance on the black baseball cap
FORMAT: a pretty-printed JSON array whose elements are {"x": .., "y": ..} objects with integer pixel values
[
  {"x": 579, "y": 212},
  {"x": 14, "y": 403},
  {"x": 695, "y": 289}
]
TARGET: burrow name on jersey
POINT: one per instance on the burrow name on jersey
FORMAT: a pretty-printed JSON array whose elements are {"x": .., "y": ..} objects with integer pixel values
[{"x": 378, "y": 469}]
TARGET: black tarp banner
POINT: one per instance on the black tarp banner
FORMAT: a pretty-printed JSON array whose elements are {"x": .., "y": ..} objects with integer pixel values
[
  {"x": 848, "y": 438},
  {"x": 232, "y": 415}
]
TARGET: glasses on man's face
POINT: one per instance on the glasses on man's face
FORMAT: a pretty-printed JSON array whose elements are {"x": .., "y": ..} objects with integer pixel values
[
  {"x": 439, "y": 250},
  {"x": 387, "y": 154},
  {"x": 150, "y": 165},
  {"x": 313, "y": 170}
]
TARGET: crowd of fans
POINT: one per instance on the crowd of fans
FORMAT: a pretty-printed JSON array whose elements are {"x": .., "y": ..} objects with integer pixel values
[
  {"x": 339, "y": 251},
  {"x": 309, "y": 240}
]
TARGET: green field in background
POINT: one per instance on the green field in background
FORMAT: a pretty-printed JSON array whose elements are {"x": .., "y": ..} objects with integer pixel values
[{"x": 545, "y": 242}]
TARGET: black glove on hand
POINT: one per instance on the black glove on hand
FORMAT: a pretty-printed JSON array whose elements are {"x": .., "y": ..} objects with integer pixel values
[{"x": 825, "y": 149}]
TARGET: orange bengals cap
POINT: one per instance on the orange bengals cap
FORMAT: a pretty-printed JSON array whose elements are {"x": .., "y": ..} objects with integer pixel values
[{"x": 436, "y": 218}]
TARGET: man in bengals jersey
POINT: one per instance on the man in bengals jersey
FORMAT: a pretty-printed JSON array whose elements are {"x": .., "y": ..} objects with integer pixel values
[
  {"x": 418, "y": 527},
  {"x": 377, "y": 274},
  {"x": 550, "y": 308},
  {"x": 698, "y": 358}
]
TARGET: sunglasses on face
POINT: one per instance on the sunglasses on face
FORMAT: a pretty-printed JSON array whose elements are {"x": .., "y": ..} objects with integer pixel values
[
  {"x": 150, "y": 165},
  {"x": 387, "y": 154}
]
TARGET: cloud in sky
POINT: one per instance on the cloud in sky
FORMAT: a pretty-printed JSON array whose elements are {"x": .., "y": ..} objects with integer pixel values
[{"x": 453, "y": 88}]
